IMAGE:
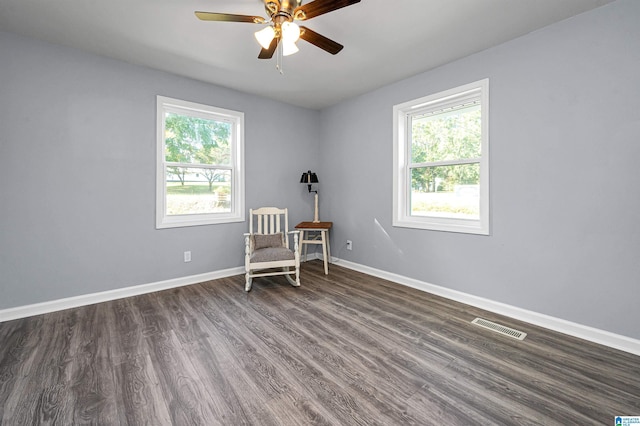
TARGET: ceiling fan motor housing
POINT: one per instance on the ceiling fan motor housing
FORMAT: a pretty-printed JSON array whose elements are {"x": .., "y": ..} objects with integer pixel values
[{"x": 281, "y": 11}]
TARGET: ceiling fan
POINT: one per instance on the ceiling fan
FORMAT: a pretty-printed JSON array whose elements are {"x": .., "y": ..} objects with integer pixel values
[{"x": 281, "y": 27}]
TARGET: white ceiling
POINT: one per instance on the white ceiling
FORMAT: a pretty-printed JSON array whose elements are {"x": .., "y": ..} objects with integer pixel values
[{"x": 385, "y": 40}]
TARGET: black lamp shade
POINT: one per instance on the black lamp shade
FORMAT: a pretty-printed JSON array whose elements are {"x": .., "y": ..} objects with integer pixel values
[{"x": 309, "y": 178}]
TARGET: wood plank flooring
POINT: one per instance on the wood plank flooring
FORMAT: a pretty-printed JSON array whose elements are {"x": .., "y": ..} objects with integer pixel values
[{"x": 343, "y": 349}]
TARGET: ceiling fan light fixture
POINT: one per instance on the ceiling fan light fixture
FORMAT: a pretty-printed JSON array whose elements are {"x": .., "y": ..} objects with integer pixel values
[
  {"x": 289, "y": 48},
  {"x": 265, "y": 36},
  {"x": 290, "y": 32}
]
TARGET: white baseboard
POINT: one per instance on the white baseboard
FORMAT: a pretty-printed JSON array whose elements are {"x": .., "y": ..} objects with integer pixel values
[
  {"x": 105, "y": 296},
  {"x": 595, "y": 335},
  {"x": 591, "y": 334},
  {"x": 120, "y": 293}
]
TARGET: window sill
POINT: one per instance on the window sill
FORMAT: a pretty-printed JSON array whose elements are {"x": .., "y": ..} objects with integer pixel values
[{"x": 446, "y": 225}]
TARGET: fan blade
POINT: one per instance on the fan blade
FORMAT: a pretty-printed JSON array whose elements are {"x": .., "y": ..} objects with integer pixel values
[
  {"x": 319, "y": 40},
  {"x": 268, "y": 53},
  {"x": 320, "y": 7},
  {"x": 227, "y": 17}
]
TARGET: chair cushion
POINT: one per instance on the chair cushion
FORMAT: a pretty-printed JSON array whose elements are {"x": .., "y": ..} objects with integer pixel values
[
  {"x": 271, "y": 254},
  {"x": 261, "y": 241}
]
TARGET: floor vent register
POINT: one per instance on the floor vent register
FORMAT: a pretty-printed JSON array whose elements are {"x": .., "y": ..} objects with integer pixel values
[{"x": 506, "y": 331}]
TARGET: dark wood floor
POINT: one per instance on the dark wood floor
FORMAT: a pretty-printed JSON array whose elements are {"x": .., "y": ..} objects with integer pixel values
[{"x": 347, "y": 349}]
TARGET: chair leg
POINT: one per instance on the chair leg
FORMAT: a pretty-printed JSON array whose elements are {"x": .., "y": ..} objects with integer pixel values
[
  {"x": 248, "y": 282},
  {"x": 296, "y": 282}
]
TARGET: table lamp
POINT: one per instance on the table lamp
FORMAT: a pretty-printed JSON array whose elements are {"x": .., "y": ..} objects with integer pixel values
[{"x": 311, "y": 178}]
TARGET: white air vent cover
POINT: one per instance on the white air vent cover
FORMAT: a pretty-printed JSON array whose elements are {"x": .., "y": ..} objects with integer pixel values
[{"x": 500, "y": 328}]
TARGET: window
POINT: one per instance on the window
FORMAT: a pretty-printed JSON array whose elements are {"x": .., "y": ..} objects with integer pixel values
[
  {"x": 200, "y": 170},
  {"x": 441, "y": 161}
]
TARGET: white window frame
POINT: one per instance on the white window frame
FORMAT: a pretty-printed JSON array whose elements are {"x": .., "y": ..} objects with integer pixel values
[
  {"x": 402, "y": 152},
  {"x": 164, "y": 105}
]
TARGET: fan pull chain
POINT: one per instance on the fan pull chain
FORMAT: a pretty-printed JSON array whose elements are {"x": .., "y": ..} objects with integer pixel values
[{"x": 279, "y": 59}]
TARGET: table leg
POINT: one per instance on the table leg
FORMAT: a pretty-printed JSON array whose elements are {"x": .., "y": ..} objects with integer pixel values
[{"x": 324, "y": 251}]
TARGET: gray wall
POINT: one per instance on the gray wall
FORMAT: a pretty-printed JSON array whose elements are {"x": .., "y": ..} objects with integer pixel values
[
  {"x": 565, "y": 200},
  {"x": 77, "y": 166}
]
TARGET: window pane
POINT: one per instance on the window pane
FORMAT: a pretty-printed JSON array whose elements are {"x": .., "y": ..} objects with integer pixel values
[
  {"x": 446, "y": 136},
  {"x": 446, "y": 191},
  {"x": 196, "y": 140},
  {"x": 193, "y": 190}
]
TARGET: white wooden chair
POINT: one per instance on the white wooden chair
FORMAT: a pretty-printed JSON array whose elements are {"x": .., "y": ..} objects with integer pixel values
[{"x": 267, "y": 246}]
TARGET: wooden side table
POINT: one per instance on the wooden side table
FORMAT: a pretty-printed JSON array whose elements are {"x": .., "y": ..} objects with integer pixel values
[{"x": 316, "y": 233}]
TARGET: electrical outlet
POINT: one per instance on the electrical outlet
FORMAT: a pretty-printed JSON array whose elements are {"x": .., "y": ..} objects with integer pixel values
[
  {"x": 349, "y": 245},
  {"x": 187, "y": 256}
]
